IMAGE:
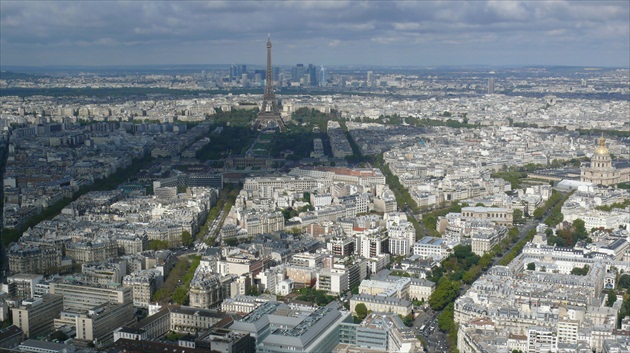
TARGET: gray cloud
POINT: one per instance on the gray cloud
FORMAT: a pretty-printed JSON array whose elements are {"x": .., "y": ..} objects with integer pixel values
[{"x": 324, "y": 32}]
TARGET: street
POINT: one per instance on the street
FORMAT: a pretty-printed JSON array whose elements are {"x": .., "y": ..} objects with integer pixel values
[{"x": 425, "y": 325}]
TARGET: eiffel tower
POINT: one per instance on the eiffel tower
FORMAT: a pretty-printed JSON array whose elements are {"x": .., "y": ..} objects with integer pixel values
[{"x": 269, "y": 116}]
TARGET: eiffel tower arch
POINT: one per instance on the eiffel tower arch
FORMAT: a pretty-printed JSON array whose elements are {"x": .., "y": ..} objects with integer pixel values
[{"x": 269, "y": 116}]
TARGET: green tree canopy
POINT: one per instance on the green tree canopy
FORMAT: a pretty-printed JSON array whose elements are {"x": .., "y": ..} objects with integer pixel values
[
  {"x": 187, "y": 238},
  {"x": 157, "y": 244},
  {"x": 361, "y": 310},
  {"x": 180, "y": 296},
  {"x": 445, "y": 319},
  {"x": 624, "y": 281},
  {"x": 611, "y": 299},
  {"x": 445, "y": 293},
  {"x": 517, "y": 216},
  {"x": 580, "y": 271}
]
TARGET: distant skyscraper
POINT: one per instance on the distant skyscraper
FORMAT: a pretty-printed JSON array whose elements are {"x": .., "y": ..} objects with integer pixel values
[
  {"x": 276, "y": 73},
  {"x": 297, "y": 73},
  {"x": 322, "y": 76},
  {"x": 312, "y": 74},
  {"x": 491, "y": 85},
  {"x": 370, "y": 78},
  {"x": 233, "y": 74},
  {"x": 262, "y": 73},
  {"x": 269, "y": 115},
  {"x": 237, "y": 71}
]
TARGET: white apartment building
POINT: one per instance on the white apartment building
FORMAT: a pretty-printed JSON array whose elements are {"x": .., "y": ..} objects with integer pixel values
[
  {"x": 430, "y": 247},
  {"x": 568, "y": 331},
  {"x": 541, "y": 340},
  {"x": 333, "y": 281},
  {"x": 318, "y": 200},
  {"x": 399, "y": 245},
  {"x": 372, "y": 245}
]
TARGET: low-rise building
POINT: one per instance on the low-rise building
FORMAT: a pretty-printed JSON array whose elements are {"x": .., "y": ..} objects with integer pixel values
[
  {"x": 380, "y": 332},
  {"x": 226, "y": 341},
  {"x": 483, "y": 240},
  {"x": 498, "y": 215},
  {"x": 318, "y": 332},
  {"x": 29, "y": 258},
  {"x": 244, "y": 303},
  {"x": 191, "y": 320},
  {"x": 35, "y": 346},
  {"x": 129, "y": 333},
  {"x": 430, "y": 247},
  {"x": 333, "y": 281},
  {"x": 96, "y": 324},
  {"x": 144, "y": 284},
  {"x": 104, "y": 273},
  {"x": 36, "y": 316},
  {"x": 23, "y": 285},
  {"x": 380, "y": 303}
]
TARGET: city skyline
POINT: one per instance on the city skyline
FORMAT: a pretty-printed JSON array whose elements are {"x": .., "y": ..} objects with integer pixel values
[{"x": 407, "y": 33}]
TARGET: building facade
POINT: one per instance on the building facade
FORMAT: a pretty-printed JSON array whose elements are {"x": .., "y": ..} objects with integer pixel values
[{"x": 36, "y": 316}]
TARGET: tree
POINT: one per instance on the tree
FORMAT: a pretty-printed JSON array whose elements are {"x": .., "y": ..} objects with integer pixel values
[
  {"x": 539, "y": 213},
  {"x": 59, "y": 336},
  {"x": 531, "y": 266},
  {"x": 180, "y": 296},
  {"x": 253, "y": 290},
  {"x": 187, "y": 238},
  {"x": 624, "y": 281},
  {"x": 580, "y": 271},
  {"x": 445, "y": 293},
  {"x": 157, "y": 244},
  {"x": 579, "y": 229},
  {"x": 231, "y": 242},
  {"x": 407, "y": 320},
  {"x": 361, "y": 310},
  {"x": 445, "y": 319},
  {"x": 462, "y": 251},
  {"x": 472, "y": 274},
  {"x": 611, "y": 299},
  {"x": 485, "y": 261},
  {"x": 517, "y": 216},
  {"x": 306, "y": 208}
]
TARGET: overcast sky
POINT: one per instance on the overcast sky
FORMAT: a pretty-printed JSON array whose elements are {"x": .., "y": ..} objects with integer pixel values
[{"x": 418, "y": 33}]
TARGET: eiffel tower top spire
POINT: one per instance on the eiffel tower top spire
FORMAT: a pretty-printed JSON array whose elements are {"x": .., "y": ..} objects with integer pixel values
[{"x": 269, "y": 95}]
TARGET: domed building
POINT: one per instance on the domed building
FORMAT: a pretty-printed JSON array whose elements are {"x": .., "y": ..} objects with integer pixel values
[{"x": 601, "y": 170}]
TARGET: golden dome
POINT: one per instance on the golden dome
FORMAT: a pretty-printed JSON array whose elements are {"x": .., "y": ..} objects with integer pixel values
[{"x": 601, "y": 149}]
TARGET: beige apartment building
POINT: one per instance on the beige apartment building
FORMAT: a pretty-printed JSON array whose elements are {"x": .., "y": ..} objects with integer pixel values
[
  {"x": 100, "y": 322},
  {"x": 499, "y": 215},
  {"x": 35, "y": 316}
]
